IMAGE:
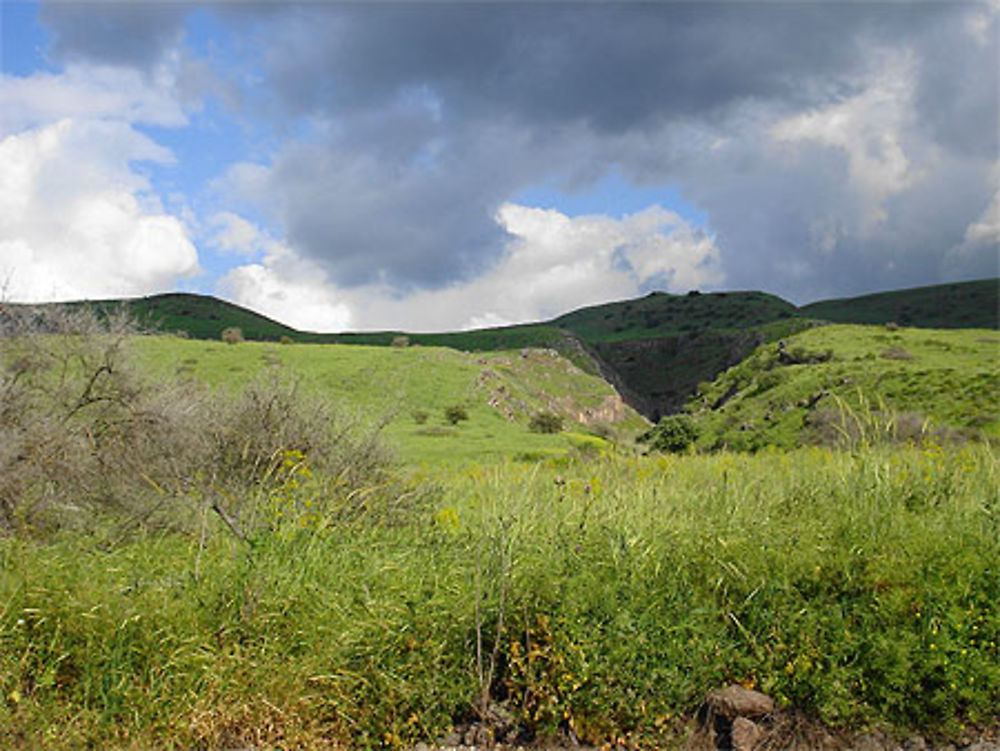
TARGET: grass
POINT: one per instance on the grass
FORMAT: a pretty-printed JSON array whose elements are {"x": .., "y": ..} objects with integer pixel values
[
  {"x": 546, "y": 579},
  {"x": 859, "y": 588},
  {"x": 393, "y": 383},
  {"x": 960, "y": 305},
  {"x": 658, "y": 348},
  {"x": 946, "y": 381}
]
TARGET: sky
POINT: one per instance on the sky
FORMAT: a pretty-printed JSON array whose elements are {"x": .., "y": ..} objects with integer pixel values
[{"x": 428, "y": 166}]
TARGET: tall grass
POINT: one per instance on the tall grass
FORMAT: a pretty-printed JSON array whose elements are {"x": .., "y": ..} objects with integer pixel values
[{"x": 603, "y": 598}]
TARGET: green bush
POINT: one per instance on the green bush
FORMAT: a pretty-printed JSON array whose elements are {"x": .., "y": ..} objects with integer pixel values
[
  {"x": 545, "y": 422},
  {"x": 455, "y": 414},
  {"x": 673, "y": 434}
]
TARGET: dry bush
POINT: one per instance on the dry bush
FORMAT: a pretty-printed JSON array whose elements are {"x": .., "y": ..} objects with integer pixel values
[
  {"x": 84, "y": 434},
  {"x": 232, "y": 335}
]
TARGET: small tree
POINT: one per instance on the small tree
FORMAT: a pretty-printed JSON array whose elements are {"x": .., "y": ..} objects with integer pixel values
[
  {"x": 545, "y": 422},
  {"x": 232, "y": 335},
  {"x": 455, "y": 414},
  {"x": 674, "y": 434}
]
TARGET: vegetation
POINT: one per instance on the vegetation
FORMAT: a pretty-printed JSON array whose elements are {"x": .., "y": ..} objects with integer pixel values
[
  {"x": 859, "y": 588},
  {"x": 672, "y": 434},
  {"x": 545, "y": 422},
  {"x": 845, "y": 384},
  {"x": 232, "y": 335},
  {"x": 964, "y": 305},
  {"x": 656, "y": 349},
  {"x": 455, "y": 413},
  {"x": 202, "y": 547}
]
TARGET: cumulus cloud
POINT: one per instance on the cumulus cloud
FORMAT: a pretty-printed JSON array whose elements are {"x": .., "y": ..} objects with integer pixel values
[
  {"x": 832, "y": 148},
  {"x": 553, "y": 263},
  {"x": 75, "y": 220},
  {"x": 867, "y": 128},
  {"x": 87, "y": 92}
]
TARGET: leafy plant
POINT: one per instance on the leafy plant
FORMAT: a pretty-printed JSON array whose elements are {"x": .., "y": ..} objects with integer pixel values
[
  {"x": 455, "y": 414},
  {"x": 673, "y": 434},
  {"x": 545, "y": 422}
]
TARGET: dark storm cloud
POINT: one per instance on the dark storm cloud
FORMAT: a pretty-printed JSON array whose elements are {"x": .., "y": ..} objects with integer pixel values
[
  {"x": 426, "y": 117},
  {"x": 614, "y": 67},
  {"x": 118, "y": 33}
]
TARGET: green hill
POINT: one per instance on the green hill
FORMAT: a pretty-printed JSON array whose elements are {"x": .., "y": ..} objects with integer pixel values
[
  {"x": 655, "y": 350},
  {"x": 660, "y": 314},
  {"x": 854, "y": 383},
  {"x": 962, "y": 305},
  {"x": 410, "y": 387}
]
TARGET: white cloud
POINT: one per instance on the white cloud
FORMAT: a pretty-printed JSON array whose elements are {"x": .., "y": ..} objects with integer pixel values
[
  {"x": 554, "y": 263},
  {"x": 982, "y": 233},
  {"x": 88, "y": 92},
  {"x": 868, "y": 129},
  {"x": 234, "y": 234},
  {"x": 290, "y": 289},
  {"x": 77, "y": 222}
]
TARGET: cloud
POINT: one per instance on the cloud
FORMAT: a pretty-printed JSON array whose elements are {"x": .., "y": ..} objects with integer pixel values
[
  {"x": 76, "y": 222},
  {"x": 137, "y": 33},
  {"x": 234, "y": 234},
  {"x": 289, "y": 289},
  {"x": 867, "y": 128},
  {"x": 552, "y": 264},
  {"x": 832, "y": 148},
  {"x": 88, "y": 92}
]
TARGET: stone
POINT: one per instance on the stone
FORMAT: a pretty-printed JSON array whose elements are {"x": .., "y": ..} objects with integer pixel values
[
  {"x": 736, "y": 701},
  {"x": 745, "y": 734}
]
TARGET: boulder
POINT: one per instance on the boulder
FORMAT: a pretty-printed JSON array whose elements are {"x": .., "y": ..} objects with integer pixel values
[{"x": 736, "y": 701}]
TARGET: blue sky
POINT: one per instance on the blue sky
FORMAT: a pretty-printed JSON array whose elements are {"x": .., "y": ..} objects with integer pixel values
[{"x": 436, "y": 166}]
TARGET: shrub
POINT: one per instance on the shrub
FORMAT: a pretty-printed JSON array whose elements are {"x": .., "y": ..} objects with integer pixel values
[
  {"x": 673, "y": 433},
  {"x": 232, "y": 335},
  {"x": 100, "y": 439},
  {"x": 286, "y": 340},
  {"x": 897, "y": 353},
  {"x": 401, "y": 341},
  {"x": 455, "y": 414},
  {"x": 420, "y": 416},
  {"x": 545, "y": 422}
]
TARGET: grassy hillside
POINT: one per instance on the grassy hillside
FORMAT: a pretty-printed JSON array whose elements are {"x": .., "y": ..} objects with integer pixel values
[
  {"x": 660, "y": 314},
  {"x": 944, "y": 306},
  {"x": 412, "y": 386},
  {"x": 815, "y": 385},
  {"x": 656, "y": 350},
  {"x": 185, "y": 567}
]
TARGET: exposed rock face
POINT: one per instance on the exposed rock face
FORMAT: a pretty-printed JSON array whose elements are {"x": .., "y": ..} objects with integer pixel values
[
  {"x": 727, "y": 718},
  {"x": 745, "y": 734},
  {"x": 736, "y": 701}
]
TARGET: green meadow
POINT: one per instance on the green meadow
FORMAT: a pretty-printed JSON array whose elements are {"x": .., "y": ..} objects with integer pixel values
[{"x": 545, "y": 585}]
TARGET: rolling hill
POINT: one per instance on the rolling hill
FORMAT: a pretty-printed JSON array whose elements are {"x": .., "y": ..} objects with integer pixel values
[
  {"x": 850, "y": 384},
  {"x": 655, "y": 350}
]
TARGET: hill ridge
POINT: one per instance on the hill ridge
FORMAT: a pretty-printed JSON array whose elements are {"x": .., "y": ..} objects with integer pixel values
[{"x": 655, "y": 349}]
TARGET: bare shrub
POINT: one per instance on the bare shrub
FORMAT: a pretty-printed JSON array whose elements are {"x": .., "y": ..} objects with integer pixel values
[
  {"x": 897, "y": 353},
  {"x": 232, "y": 335},
  {"x": 83, "y": 434}
]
